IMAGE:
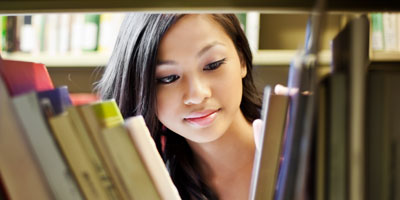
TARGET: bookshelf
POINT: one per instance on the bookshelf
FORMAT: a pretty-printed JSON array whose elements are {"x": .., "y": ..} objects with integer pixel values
[{"x": 277, "y": 57}]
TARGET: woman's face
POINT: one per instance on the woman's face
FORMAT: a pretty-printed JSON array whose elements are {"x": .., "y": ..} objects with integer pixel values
[{"x": 199, "y": 77}]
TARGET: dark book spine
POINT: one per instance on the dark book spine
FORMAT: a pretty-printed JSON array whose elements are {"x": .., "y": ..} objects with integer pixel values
[{"x": 3, "y": 191}]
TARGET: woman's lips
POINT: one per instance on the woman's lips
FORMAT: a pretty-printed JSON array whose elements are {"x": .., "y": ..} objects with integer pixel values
[{"x": 203, "y": 118}]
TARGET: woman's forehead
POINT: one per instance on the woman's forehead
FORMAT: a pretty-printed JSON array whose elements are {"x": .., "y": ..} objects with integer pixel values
[{"x": 190, "y": 34}]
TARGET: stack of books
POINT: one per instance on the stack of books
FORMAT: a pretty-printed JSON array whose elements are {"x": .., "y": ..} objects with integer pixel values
[{"x": 52, "y": 149}]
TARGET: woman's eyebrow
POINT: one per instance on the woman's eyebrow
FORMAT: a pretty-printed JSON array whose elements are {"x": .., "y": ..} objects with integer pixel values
[
  {"x": 208, "y": 47},
  {"x": 166, "y": 62}
]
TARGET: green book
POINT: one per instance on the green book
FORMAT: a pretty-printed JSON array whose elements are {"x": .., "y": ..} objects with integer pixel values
[{"x": 91, "y": 34}]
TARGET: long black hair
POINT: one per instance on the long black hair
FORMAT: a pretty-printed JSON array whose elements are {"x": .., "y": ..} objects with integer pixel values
[{"x": 129, "y": 78}]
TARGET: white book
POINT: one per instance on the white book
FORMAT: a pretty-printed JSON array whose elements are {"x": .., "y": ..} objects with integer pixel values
[
  {"x": 77, "y": 32},
  {"x": 51, "y": 40},
  {"x": 253, "y": 30},
  {"x": 109, "y": 26},
  {"x": 38, "y": 32},
  {"x": 27, "y": 41},
  {"x": 144, "y": 143},
  {"x": 56, "y": 171},
  {"x": 63, "y": 33},
  {"x": 390, "y": 31},
  {"x": 398, "y": 32}
]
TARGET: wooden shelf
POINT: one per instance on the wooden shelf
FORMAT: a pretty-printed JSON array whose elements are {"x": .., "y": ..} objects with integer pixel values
[
  {"x": 262, "y": 57},
  {"x": 284, "y": 57},
  {"x": 384, "y": 56},
  {"x": 86, "y": 59},
  {"x": 35, "y": 6}
]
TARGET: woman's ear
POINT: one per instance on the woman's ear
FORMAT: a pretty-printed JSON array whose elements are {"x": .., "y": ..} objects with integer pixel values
[{"x": 243, "y": 70}]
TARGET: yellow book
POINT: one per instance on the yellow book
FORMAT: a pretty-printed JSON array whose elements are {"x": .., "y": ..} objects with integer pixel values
[
  {"x": 141, "y": 139},
  {"x": 129, "y": 164},
  {"x": 76, "y": 156},
  {"x": 93, "y": 157},
  {"x": 96, "y": 117}
]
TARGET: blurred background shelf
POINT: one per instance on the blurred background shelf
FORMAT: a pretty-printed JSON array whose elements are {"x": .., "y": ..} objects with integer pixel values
[
  {"x": 85, "y": 59},
  {"x": 96, "y": 59}
]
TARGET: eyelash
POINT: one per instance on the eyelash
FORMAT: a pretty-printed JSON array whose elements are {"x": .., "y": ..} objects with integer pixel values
[
  {"x": 171, "y": 78},
  {"x": 215, "y": 65},
  {"x": 168, "y": 79}
]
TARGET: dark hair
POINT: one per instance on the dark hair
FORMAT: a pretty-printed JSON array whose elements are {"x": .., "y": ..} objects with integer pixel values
[{"x": 129, "y": 78}]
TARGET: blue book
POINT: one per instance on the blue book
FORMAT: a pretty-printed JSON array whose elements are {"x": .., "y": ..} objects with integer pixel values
[{"x": 56, "y": 100}]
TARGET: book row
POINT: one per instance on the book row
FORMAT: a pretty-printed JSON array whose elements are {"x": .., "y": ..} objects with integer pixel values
[
  {"x": 385, "y": 32},
  {"x": 59, "y": 33},
  {"x": 52, "y": 149}
]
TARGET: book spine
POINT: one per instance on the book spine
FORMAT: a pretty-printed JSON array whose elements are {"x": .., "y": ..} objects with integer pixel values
[
  {"x": 377, "y": 138},
  {"x": 337, "y": 136},
  {"x": 377, "y": 32},
  {"x": 12, "y": 42},
  {"x": 27, "y": 35},
  {"x": 56, "y": 171},
  {"x": 390, "y": 31},
  {"x": 253, "y": 30},
  {"x": 74, "y": 153},
  {"x": 94, "y": 129},
  {"x": 130, "y": 168},
  {"x": 91, "y": 34},
  {"x": 82, "y": 133},
  {"x": 64, "y": 34},
  {"x": 20, "y": 171}
]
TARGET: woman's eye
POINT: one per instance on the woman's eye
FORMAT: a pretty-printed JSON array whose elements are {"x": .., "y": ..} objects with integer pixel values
[
  {"x": 168, "y": 79},
  {"x": 214, "y": 65}
]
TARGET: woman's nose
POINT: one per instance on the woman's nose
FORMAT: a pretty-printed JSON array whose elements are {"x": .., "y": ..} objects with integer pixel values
[{"x": 197, "y": 91}]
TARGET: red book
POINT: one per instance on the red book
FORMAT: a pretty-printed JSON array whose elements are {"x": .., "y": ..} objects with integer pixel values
[{"x": 21, "y": 77}]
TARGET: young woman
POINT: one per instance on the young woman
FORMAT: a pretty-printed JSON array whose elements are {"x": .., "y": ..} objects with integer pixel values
[{"x": 190, "y": 77}]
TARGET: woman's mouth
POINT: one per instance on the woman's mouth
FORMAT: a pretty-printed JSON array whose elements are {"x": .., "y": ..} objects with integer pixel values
[{"x": 203, "y": 118}]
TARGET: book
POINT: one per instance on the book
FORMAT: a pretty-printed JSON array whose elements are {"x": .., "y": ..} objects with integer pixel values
[
  {"x": 294, "y": 178},
  {"x": 3, "y": 33},
  {"x": 128, "y": 164},
  {"x": 252, "y": 30},
  {"x": 267, "y": 158},
  {"x": 96, "y": 117},
  {"x": 389, "y": 21},
  {"x": 3, "y": 191},
  {"x": 76, "y": 156},
  {"x": 27, "y": 41},
  {"x": 382, "y": 135},
  {"x": 12, "y": 36},
  {"x": 337, "y": 135},
  {"x": 77, "y": 30},
  {"x": 56, "y": 171},
  {"x": 320, "y": 178},
  {"x": 377, "y": 32},
  {"x": 350, "y": 55},
  {"x": 144, "y": 143},
  {"x": 83, "y": 98},
  {"x": 92, "y": 154},
  {"x": 58, "y": 99},
  {"x": 21, "y": 77},
  {"x": 64, "y": 33},
  {"x": 20, "y": 170},
  {"x": 51, "y": 34},
  {"x": 91, "y": 27},
  {"x": 109, "y": 24}
]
